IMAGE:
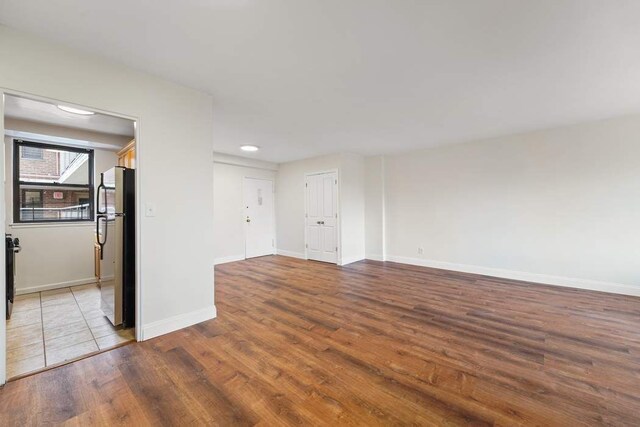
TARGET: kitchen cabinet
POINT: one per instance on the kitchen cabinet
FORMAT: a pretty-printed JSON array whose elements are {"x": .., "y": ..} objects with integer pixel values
[{"x": 127, "y": 156}]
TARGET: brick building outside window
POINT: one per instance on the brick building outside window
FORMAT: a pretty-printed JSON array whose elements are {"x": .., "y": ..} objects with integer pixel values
[{"x": 52, "y": 183}]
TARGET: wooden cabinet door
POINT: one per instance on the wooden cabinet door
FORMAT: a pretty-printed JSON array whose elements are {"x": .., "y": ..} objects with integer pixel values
[{"x": 127, "y": 156}]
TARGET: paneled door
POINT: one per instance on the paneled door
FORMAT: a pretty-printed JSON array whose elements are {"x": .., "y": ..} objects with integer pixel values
[
  {"x": 321, "y": 217},
  {"x": 259, "y": 217}
]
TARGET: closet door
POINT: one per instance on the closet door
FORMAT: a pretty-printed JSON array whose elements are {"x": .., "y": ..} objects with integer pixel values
[{"x": 321, "y": 217}]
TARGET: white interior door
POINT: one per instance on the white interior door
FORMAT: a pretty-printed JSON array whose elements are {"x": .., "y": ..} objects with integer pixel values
[
  {"x": 321, "y": 217},
  {"x": 259, "y": 220}
]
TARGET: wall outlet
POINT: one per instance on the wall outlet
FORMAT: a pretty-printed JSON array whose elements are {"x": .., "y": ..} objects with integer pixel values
[{"x": 420, "y": 251}]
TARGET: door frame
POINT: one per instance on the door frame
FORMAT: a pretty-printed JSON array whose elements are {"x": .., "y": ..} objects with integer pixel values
[
  {"x": 339, "y": 219},
  {"x": 3, "y": 220},
  {"x": 273, "y": 213}
]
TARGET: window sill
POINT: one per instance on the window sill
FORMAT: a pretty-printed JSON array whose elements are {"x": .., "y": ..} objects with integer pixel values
[{"x": 53, "y": 224}]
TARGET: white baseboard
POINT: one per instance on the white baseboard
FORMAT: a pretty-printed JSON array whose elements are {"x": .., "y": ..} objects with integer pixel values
[
  {"x": 226, "y": 259},
  {"x": 290, "y": 254},
  {"x": 180, "y": 321},
  {"x": 374, "y": 257},
  {"x": 570, "y": 282},
  {"x": 350, "y": 260},
  {"x": 50, "y": 286}
]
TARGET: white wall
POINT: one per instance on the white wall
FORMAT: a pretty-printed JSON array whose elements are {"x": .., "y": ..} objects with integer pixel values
[
  {"x": 559, "y": 206},
  {"x": 352, "y": 205},
  {"x": 374, "y": 208},
  {"x": 290, "y": 207},
  {"x": 228, "y": 205},
  {"x": 175, "y": 167},
  {"x": 53, "y": 255}
]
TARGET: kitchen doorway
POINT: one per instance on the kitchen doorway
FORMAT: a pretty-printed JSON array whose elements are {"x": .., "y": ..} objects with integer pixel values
[{"x": 70, "y": 233}]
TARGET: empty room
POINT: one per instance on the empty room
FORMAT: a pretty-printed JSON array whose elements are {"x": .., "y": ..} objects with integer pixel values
[{"x": 279, "y": 212}]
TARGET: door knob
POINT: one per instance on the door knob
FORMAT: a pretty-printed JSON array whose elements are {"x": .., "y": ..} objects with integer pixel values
[
  {"x": 248, "y": 220},
  {"x": 320, "y": 222}
]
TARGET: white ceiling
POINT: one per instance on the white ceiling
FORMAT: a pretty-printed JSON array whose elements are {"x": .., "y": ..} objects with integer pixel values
[
  {"x": 307, "y": 77},
  {"x": 37, "y": 111}
]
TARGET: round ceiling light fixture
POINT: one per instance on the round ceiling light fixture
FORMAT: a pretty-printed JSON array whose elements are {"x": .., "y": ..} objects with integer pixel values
[
  {"x": 249, "y": 147},
  {"x": 75, "y": 110}
]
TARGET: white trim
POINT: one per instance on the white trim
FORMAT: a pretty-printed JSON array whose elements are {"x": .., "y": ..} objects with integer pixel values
[
  {"x": 229, "y": 159},
  {"x": 48, "y": 100},
  {"x": 53, "y": 224},
  {"x": 352, "y": 259},
  {"x": 374, "y": 257},
  {"x": 291, "y": 254},
  {"x": 175, "y": 323},
  {"x": 137, "y": 129},
  {"x": 593, "y": 285},
  {"x": 384, "y": 208},
  {"x": 50, "y": 286},
  {"x": 226, "y": 259},
  {"x": 3, "y": 281},
  {"x": 58, "y": 140}
]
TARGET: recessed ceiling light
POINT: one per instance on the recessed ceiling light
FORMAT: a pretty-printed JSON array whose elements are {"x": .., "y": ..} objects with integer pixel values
[
  {"x": 76, "y": 110},
  {"x": 249, "y": 148}
]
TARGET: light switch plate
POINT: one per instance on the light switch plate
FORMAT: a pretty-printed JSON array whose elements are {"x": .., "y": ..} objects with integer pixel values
[{"x": 150, "y": 209}]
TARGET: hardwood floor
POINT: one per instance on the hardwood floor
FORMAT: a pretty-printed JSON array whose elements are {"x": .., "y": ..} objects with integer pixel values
[{"x": 299, "y": 342}]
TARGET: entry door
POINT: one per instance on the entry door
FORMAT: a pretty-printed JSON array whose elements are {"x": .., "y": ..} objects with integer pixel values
[
  {"x": 321, "y": 218},
  {"x": 259, "y": 223}
]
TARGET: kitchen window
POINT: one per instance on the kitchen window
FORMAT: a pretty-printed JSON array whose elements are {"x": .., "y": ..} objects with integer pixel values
[{"x": 52, "y": 183}]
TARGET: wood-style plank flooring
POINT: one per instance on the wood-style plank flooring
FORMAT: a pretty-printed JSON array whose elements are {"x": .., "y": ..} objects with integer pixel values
[{"x": 304, "y": 343}]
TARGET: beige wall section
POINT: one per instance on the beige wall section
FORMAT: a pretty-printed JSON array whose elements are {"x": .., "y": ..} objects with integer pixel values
[
  {"x": 561, "y": 203},
  {"x": 228, "y": 205},
  {"x": 175, "y": 168},
  {"x": 53, "y": 255},
  {"x": 65, "y": 132},
  {"x": 290, "y": 201}
]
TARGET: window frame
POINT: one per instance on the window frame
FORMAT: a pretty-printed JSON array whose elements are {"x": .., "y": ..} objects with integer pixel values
[{"x": 19, "y": 185}]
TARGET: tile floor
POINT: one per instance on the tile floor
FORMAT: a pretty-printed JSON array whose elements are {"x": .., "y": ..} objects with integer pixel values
[{"x": 47, "y": 328}]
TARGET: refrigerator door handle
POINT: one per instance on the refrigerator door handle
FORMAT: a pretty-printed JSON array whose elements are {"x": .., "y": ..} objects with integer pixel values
[
  {"x": 103, "y": 188},
  {"x": 104, "y": 239}
]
